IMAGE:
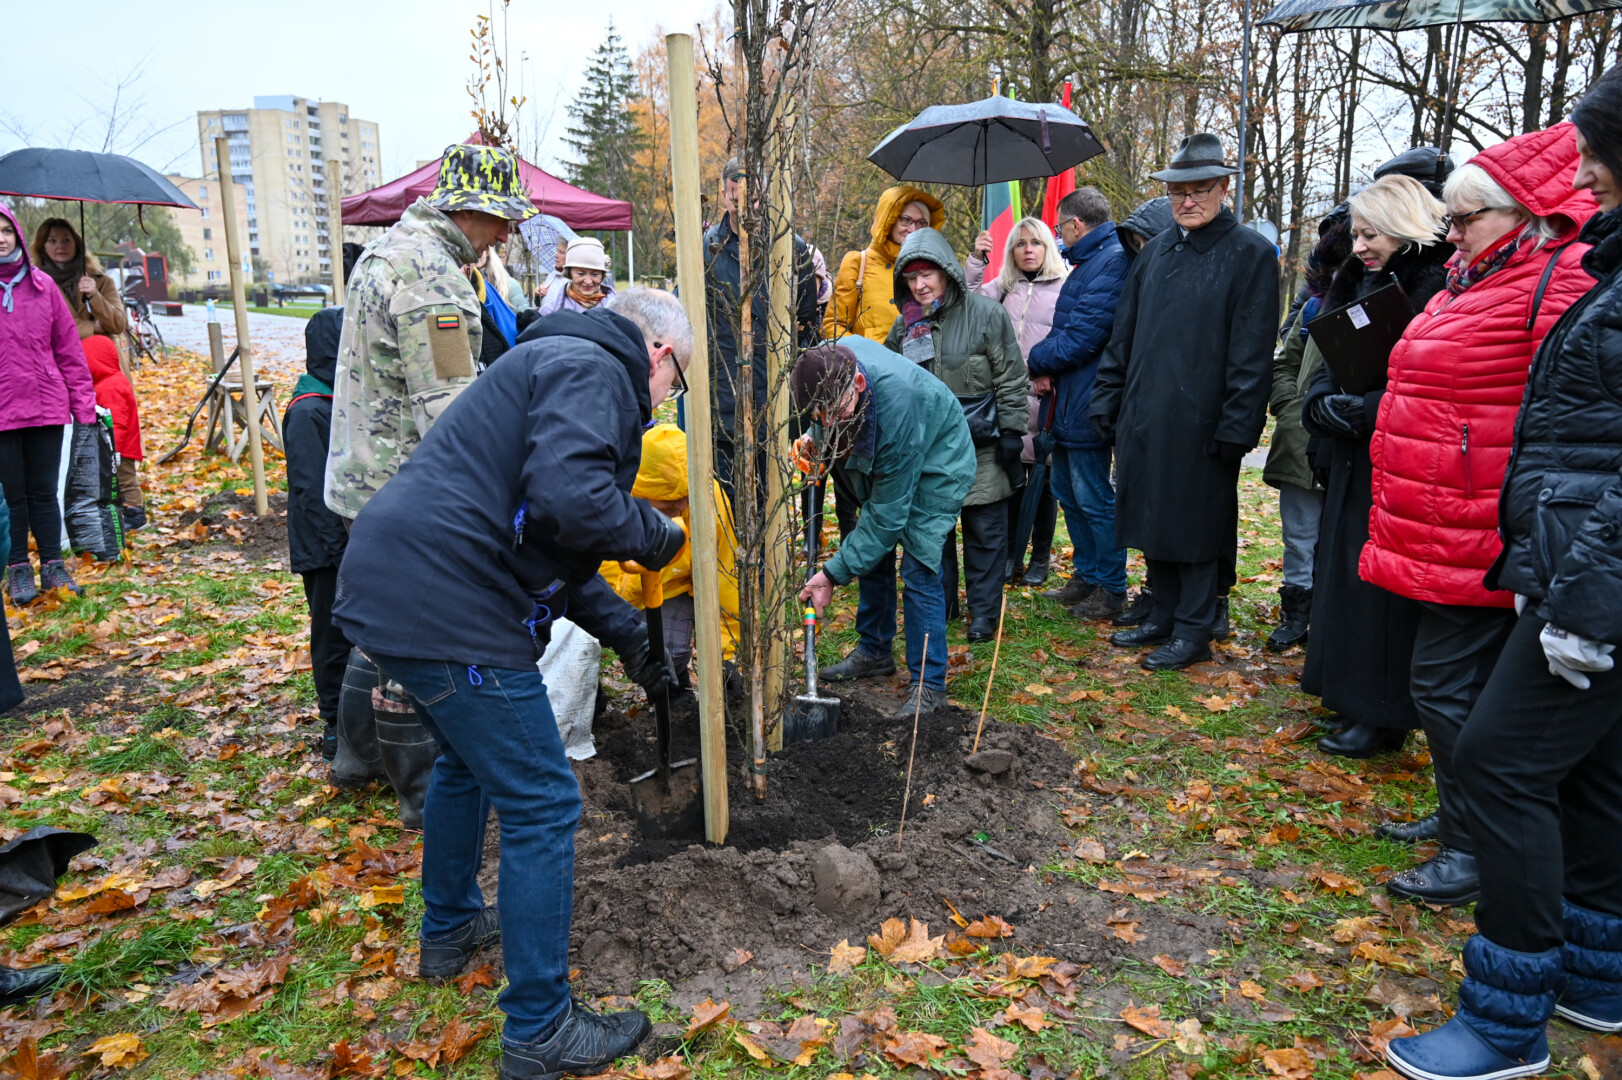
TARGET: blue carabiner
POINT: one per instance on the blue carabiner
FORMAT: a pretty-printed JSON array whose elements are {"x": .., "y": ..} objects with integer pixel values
[{"x": 473, "y": 676}]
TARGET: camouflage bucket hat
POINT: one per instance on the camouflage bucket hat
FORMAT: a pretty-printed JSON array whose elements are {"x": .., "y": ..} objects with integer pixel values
[{"x": 481, "y": 178}]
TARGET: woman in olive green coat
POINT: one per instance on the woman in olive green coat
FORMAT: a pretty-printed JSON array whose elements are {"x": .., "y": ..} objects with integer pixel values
[{"x": 967, "y": 341}]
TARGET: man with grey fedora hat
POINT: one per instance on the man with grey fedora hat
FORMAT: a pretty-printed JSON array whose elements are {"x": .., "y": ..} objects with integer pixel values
[{"x": 1182, "y": 391}]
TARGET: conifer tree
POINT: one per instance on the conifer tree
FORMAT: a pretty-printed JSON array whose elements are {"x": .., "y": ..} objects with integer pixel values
[{"x": 604, "y": 133}]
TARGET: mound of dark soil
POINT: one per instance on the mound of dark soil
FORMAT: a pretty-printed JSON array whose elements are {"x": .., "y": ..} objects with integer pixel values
[
  {"x": 732, "y": 920},
  {"x": 231, "y": 521}
]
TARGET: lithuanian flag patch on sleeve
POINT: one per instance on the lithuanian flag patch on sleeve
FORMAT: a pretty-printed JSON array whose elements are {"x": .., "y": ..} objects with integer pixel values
[{"x": 447, "y": 322}]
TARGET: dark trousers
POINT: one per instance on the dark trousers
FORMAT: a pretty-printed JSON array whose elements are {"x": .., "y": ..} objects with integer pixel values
[
  {"x": 1539, "y": 770},
  {"x": 11, "y": 688},
  {"x": 1455, "y": 649},
  {"x": 29, "y": 461},
  {"x": 985, "y": 554},
  {"x": 329, "y": 649},
  {"x": 1187, "y": 595}
]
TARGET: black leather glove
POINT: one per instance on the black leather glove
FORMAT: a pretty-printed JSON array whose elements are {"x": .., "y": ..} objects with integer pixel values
[
  {"x": 668, "y": 548},
  {"x": 1342, "y": 415},
  {"x": 1230, "y": 453},
  {"x": 1105, "y": 428},
  {"x": 637, "y": 659}
]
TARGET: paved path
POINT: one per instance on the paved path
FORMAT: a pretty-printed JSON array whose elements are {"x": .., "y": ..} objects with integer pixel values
[{"x": 278, "y": 340}]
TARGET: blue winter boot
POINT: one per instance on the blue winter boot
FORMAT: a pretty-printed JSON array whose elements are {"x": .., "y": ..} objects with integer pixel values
[
  {"x": 1497, "y": 1034},
  {"x": 1590, "y": 994}
]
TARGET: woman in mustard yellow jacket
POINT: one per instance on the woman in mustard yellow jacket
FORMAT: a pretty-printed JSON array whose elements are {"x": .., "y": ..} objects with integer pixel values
[
  {"x": 662, "y": 480},
  {"x": 864, "y": 289}
]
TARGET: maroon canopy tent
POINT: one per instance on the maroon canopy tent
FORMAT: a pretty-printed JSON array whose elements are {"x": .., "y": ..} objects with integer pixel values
[{"x": 579, "y": 209}]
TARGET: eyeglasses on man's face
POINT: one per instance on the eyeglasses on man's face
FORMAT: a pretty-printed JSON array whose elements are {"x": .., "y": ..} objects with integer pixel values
[
  {"x": 1178, "y": 196},
  {"x": 679, "y": 387}
]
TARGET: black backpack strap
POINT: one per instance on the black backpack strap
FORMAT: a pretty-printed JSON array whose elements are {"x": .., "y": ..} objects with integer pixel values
[{"x": 1543, "y": 285}]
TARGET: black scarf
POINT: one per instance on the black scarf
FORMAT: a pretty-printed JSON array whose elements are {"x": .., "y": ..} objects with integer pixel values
[
  {"x": 1422, "y": 273},
  {"x": 66, "y": 275}
]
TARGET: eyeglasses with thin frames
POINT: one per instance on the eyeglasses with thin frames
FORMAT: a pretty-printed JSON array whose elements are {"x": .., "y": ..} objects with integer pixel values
[
  {"x": 1462, "y": 221},
  {"x": 679, "y": 387},
  {"x": 1198, "y": 195}
]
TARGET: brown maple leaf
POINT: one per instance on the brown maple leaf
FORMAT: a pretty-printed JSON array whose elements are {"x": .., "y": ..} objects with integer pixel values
[
  {"x": 1291, "y": 1063},
  {"x": 989, "y": 926},
  {"x": 844, "y": 957},
  {"x": 27, "y": 1063},
  {"x": 1173, "y": 967},
  {"x": 483, "y": 975},
  {"x": 987, "y": 1050},
  {"x": 706, "y": 1014},
  {"x": 347, "y": 1061},
  {"x": 914, "y": 1048},
  {"x": 1147, "y": 1020}
]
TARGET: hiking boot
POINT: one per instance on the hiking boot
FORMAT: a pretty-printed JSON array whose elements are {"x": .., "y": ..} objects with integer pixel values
[
  {"x": 54, "y": 575},
  {"x": 1295, "y": 607},
  {"x": 134, "y": 518},
  {"x": 582, "y": 1044},
  {"x": 932, "y": 700},
  {"x": 859, "y": 665},
  {"x": 20, "y": 583},
  {"x": 1071, "y": 592},
  {"x": 445, "y": 956},
  {"x": 1102, "y": 604},
  {"x": 1035, "y": 575},
  {"x": 1138, "y": 611}
]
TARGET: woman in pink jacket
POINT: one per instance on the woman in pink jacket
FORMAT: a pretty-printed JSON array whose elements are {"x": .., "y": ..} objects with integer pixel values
[
  {"x": 1028, "y": 287},
  {"x": 44, "y": 384}
]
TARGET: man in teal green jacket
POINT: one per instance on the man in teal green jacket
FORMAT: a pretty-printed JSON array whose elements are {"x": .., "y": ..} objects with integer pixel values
[{"x": 897, "y": 437}]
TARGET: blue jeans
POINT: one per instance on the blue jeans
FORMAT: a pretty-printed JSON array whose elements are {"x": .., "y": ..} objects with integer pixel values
[
  {"x": 499, "y": 745},
  {"x": 1081, "y": 483},
  {"x": 923, "y": 611}
]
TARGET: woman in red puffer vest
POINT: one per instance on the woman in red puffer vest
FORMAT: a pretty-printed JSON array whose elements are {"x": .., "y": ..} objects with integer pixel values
[{"x": 1442, "y": 440}]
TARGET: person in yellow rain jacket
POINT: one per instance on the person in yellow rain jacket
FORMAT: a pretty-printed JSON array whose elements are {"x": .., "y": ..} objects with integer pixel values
[
  {"x": 864, "y": 288},
  {"x": 662, "y": 480}
]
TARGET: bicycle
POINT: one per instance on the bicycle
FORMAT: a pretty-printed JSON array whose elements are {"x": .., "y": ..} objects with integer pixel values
[{"x": 144, "y": 336}]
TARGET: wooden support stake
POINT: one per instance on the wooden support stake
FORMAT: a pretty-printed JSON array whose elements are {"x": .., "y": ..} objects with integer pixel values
[
  {"x": 684, "y": 183},
  {"x": 991, "y": 678},
  {"x": 781, "y": 338},
  {"x": 239, "y": 307},
  {"x": 335, "y": 228},
  {"x": 906, "y": 795}
]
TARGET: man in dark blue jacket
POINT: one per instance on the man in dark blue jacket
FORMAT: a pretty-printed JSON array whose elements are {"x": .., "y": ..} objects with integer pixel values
[
  {"x": 1065, "y": 363},
  {"x": 454, "y": 571}
]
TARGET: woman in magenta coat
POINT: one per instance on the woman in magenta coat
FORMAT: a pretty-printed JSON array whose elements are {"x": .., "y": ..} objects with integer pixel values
[{"x": 44, "y": 385}]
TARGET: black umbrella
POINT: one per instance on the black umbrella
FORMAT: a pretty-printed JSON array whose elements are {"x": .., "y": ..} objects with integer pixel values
[
  {"x": 1042, "y": 443},
  {"x": 81, "y": 176},
  {"x": 986, "y": 142}
]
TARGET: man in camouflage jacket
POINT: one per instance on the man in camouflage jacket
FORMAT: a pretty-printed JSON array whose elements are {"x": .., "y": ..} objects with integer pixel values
[
  {"x": 410, "y": 338},
  {"x": 411, "y": 324}
]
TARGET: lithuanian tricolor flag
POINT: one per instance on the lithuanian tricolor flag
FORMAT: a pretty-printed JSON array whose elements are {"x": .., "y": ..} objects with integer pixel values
[{"x": 1002, "y": 209}]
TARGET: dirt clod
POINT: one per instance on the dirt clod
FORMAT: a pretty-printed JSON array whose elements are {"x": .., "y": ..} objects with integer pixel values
[
  {"x": 994, "y": 762},
  {"x": 847, "y": 881}
]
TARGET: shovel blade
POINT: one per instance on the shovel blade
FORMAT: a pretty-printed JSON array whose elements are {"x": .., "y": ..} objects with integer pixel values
[
  {"x": 674, "y": 811},
  {"x": 810, "y": 718}
]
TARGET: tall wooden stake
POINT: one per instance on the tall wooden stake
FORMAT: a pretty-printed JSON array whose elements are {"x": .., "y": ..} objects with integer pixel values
[
  {"x": 239, "y": 307},
  {"x": 906, "y": 795},
  {"x": 335, "y": 228},
  {"x": 996, "y": 650},
  {"x": 780, "y": 341},
  {"x": 684, "y": 183}
]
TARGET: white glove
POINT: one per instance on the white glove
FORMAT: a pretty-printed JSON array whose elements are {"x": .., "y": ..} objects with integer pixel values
[{"x": 1571, "y": 656}]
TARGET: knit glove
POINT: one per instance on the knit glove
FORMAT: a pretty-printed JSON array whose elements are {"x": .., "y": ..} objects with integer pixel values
[{"x": 1571, "y": 657}]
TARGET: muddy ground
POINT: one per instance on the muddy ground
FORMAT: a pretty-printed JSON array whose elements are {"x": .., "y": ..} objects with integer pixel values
[
  {"x": 735, "y": 920},
  {"x": 227, "y": 518}
]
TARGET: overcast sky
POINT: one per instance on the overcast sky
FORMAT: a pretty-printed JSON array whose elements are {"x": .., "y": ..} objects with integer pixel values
[{"x": 402, "y": 63}]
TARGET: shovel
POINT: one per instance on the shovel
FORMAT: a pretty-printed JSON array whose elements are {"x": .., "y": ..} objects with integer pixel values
[
  {"x": 669, "y": 798},
  {"x": 810, "y": 716}
]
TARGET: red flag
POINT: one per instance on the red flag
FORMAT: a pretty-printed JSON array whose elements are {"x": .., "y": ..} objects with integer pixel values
[{"x": 1058, "y": 186}]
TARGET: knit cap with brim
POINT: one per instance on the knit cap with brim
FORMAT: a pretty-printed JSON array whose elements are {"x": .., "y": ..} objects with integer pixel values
[
  {"x": 483, "y": 178},
  {"x": 586, "y": 253}
]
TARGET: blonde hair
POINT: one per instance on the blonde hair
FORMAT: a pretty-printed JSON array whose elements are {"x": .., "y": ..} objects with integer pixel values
[
  {"x": 1052, "y": 261},
  {"x": 1401, "y": 208},
  {"x": 1471, "y": 187}
]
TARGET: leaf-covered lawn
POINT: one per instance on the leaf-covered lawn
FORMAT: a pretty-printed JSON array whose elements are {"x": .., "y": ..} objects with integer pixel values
[{"x": 241, "y": 918}]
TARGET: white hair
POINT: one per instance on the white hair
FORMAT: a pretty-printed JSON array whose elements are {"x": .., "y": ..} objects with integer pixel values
[
  {"x": 1471, "y": 187},
  {"x": 658, "y": 314},
  {"x": 1052, "y": 261}
]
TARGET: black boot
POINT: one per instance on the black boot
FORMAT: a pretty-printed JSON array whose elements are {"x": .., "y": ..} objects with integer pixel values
[
  {"x": 982, "y": 629},
  {"x": 408, "y": 754},
  {"x": 1362, "y": 741},
  {"x": 329, "y": 740},
  {"x": 1295, "y": 607},
  {"x": 1223, "y": 627},
  {"x": 1176, "y": 654},
  {"x": 1138, "y": 611},
  {"x": 1146, "y": 634},
  {"x": 447, "y": 956},
  {"x": 356, "y": 760},
  {"x": 1448, "y": 879},
  {"x": 1036, "y": 574},
  {"x": 583, "y": 1043},
  {"x": 1411, "y": 832},
  {"x": 17, "y": 985}
]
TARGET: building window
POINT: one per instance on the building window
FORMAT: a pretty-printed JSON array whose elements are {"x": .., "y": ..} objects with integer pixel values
[
  {"x": 208, "y": 254},
  {"x": 204, "y": 211},
  {"x": 208, "y": 234}
]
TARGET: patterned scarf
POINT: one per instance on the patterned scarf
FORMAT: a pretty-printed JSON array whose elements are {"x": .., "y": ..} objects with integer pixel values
[
  {"x": 22, "y": 272},
  {"x": 918, "y": 345},
  {"x": 587, "y": 302},
  {"x": 1460, "y": 277}
]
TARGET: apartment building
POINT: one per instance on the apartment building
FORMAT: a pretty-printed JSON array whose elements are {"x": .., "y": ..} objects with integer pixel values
[
  {"x": 286, "y": 149},
  {"x": 203, "y": 229}
]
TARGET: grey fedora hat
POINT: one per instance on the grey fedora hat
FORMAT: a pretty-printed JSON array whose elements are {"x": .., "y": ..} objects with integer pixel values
[{"x": 1199, "y": 157}]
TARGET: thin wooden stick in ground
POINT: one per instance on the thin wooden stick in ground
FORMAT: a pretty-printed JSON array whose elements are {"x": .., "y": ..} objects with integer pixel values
[
  {"x": 995, "y": 650},
  {"x": 917, "y": 708}
]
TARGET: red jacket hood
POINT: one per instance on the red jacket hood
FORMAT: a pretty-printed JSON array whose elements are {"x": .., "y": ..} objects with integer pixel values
[{"x": 1537, "y": 168}]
